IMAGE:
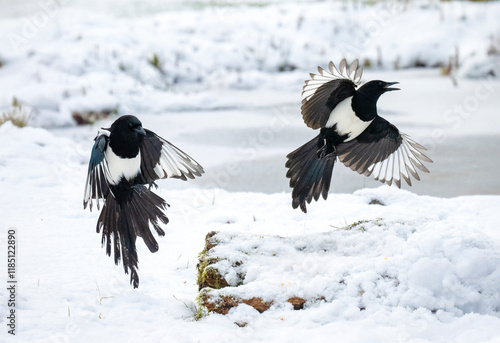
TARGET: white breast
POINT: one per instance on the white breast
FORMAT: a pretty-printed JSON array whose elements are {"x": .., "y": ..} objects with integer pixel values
[
  {"x": 122, "y": 167},
  {"x": 347, "y": 121}
]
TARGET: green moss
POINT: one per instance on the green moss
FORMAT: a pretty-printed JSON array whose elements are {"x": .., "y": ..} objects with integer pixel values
[
  {"x": 209, "y": 276},
  {"x": 155, "y": 61},
  {"x": 212, "y": 278},
  {"x": 360, "y": 224},
  {"x": 203, "y": 262},
  {"x": 201, "y": 266},
  {"x": 201, "y": 311}
]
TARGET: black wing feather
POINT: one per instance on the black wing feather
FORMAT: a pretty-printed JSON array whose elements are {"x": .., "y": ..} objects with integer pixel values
[
  {"x": 385, "y": 152},
  {"x": 380, "y": 137}
]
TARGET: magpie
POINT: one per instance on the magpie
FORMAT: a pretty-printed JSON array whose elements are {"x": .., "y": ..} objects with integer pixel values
[
  {"x": 126, "y": 160},
  {"x": 352, "y": 132}
]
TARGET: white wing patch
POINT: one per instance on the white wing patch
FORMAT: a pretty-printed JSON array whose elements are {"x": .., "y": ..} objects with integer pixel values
[
  {"x": 400, "y": 164},
  {"x": 353, "y": 73},
  {"x": 97, "y": 178},
  {"x": 176, "y": 163},
  {"x": 348, "y": 123}
]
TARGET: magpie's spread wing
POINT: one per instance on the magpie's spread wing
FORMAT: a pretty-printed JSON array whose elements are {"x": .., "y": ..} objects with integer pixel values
[
  {"x": 161, "y": 159},
  {"x": 385, "y": 152},
  {"x": 97, "y": 186},
  {"x": 325, "y": 90}
]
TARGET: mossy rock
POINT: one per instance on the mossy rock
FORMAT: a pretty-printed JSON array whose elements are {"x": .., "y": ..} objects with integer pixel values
[
  {"x": 215, "y": 292},
  {"x": 208, "y": 276}
]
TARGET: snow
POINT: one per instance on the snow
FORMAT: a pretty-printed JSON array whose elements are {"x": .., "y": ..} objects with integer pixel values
[
  {"x": 426, "y": 265},
  {"x": 422, "y": 263},
  {"x": 424, "y": 268},
  {"x": 60, "y": 58}
]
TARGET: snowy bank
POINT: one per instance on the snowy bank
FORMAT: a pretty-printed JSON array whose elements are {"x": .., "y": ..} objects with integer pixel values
[
  {"x": 77, "y": 60},
  {"x": 434, "y": 264},
  {"x": 425, "y": 269}
]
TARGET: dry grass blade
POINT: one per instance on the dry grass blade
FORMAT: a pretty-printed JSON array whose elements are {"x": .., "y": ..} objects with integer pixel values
[{"x": 19, "y": 114}]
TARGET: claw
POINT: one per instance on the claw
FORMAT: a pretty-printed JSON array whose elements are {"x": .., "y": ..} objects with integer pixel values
[
  {"x": 326, "y": 150},
  {"x": 321, "y": 152}
]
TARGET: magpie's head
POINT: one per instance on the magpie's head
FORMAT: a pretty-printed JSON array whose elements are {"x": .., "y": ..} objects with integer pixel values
[
  {"x": 128, "y": 126},
  {"x": 374, "y": 89}
]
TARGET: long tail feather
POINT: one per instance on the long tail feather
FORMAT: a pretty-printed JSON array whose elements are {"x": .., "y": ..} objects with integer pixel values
[
  {"x": 121, "y": 224},
  {"x": 310, "y": 173}
]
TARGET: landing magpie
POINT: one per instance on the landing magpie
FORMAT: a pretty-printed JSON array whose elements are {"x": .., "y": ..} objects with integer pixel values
[
  {"x": 350, "y": 130},
  {"x": 125, "y": 158}
]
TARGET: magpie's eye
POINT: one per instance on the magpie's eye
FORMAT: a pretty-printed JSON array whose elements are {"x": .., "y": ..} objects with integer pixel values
[{"x": 380, "y": 83}]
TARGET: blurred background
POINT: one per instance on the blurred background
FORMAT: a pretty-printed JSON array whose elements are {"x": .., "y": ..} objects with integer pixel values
[{"x": 222, "y": 80}]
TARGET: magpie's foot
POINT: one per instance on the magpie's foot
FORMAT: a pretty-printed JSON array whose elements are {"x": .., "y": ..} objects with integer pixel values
[
  {"x": 321, "y": 152},
  {"x": 151, "y": 184},
  {"x": 325, "y": 150}
]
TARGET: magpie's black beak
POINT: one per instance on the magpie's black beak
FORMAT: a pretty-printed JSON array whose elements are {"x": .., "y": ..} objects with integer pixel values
[
  {"x": 140, "y": 130},
  {"x": 387, "y": 86}
]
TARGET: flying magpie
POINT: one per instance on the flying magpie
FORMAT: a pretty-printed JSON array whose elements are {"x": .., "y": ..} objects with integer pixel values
[
  {"x": 350, "y": 130},
  {"x": 125, "y": 158}
]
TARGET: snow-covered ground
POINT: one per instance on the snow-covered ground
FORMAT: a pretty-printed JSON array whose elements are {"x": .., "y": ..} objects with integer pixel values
[
  {"x": 443, "y": 253},
  {"x": 218, "y": 94}
]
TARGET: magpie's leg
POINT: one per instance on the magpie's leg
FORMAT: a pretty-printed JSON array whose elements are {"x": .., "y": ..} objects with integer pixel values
[
  {"x": 326, "y": 150},
  {"x": 151, "y": 184},
  {"x": 326, "y": 142}
]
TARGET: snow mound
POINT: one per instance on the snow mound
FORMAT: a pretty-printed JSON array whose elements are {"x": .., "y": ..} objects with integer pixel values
[
  {"x": 370, "y": 264},
  {"x": 424, "y": 269}
]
